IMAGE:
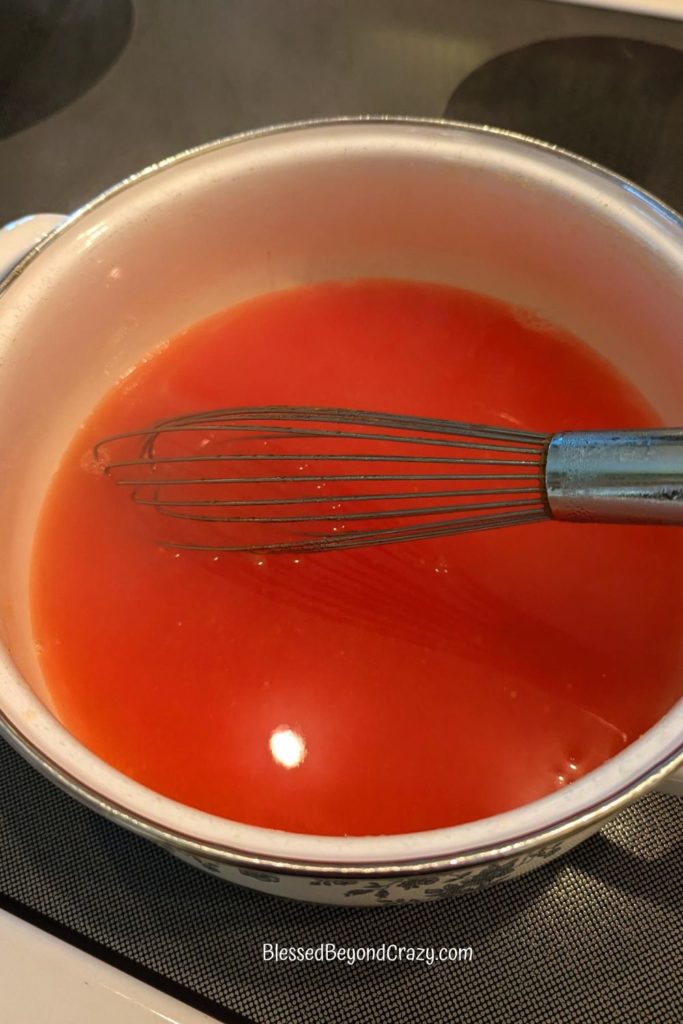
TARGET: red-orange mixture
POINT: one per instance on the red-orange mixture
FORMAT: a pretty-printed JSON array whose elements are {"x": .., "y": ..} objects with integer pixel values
[{"x": 372, "y": 691}]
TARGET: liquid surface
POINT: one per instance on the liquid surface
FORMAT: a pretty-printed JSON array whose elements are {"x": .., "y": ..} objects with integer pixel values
[{"x": 362, "y": 692}]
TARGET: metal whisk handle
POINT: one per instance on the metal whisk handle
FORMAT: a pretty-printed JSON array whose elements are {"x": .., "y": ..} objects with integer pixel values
[{"x": 616, "y": 476}]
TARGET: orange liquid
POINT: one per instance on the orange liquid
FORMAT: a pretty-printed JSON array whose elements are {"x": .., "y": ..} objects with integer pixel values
[{"x": 362, "y": 692}]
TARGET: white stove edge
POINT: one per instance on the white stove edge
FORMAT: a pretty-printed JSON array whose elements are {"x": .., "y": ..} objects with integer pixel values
[
  {"x": 655, "y": 8},
  {"x": 44, "y": 980}
]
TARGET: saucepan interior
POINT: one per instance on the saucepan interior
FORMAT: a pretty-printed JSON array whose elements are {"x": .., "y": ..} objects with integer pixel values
[{"x": 420, "y": 200}]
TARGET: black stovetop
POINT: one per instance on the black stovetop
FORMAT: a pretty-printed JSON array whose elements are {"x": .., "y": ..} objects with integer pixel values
[{"x": 93, "y": 90}]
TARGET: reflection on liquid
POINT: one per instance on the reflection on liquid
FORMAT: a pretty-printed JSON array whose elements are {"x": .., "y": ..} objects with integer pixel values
[{"x": 287, "y": 747}]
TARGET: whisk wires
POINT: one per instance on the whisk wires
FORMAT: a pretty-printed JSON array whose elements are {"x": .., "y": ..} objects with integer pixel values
[{"x": 290, "y": 479}]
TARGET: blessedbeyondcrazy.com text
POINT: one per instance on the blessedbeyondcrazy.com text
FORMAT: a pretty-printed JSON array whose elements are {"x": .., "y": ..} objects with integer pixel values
[{"x": 387, "y": 952}]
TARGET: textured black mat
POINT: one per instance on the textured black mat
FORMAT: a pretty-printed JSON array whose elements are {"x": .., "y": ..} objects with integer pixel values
[{"x": 596, "y": 937}]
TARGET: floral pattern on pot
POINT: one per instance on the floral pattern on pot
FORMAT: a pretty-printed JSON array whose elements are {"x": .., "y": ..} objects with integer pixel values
[{"x": 360, "y": 890}]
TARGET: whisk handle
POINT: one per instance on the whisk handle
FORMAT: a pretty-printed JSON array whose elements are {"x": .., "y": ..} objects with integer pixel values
[{"x": 616, "y": 476}]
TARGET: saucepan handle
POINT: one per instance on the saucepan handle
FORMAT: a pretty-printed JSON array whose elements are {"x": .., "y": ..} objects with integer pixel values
[{"x": 17, "y": 237}]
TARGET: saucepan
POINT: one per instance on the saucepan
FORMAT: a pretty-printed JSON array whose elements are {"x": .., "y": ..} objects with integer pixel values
[{"x": 365, "y": 197}]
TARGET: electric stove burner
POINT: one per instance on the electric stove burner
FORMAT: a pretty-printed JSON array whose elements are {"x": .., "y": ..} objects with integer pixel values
[
  {"x": 618, "y": 102},
  {"x": 52, "y": 51}
]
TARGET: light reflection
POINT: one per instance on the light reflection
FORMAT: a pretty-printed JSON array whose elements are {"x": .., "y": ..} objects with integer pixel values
[
  {"x": 287, "y": 747},
  {"x": 91, "y": 235},
  {"x": 659, "y": 208}
]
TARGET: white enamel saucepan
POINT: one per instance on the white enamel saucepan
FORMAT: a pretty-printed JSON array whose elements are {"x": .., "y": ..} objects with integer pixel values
[{"x": 440, "y": 201}]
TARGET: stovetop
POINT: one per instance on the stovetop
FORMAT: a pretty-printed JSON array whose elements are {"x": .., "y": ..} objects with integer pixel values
[{"x": 93, "y": 90}]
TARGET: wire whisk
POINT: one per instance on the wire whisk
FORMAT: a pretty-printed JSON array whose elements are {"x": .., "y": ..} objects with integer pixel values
[{"x": 298, "y": 479}]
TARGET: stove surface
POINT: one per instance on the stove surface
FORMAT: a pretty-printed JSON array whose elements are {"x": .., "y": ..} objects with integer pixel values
[{"x": 188, "y": 71}]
